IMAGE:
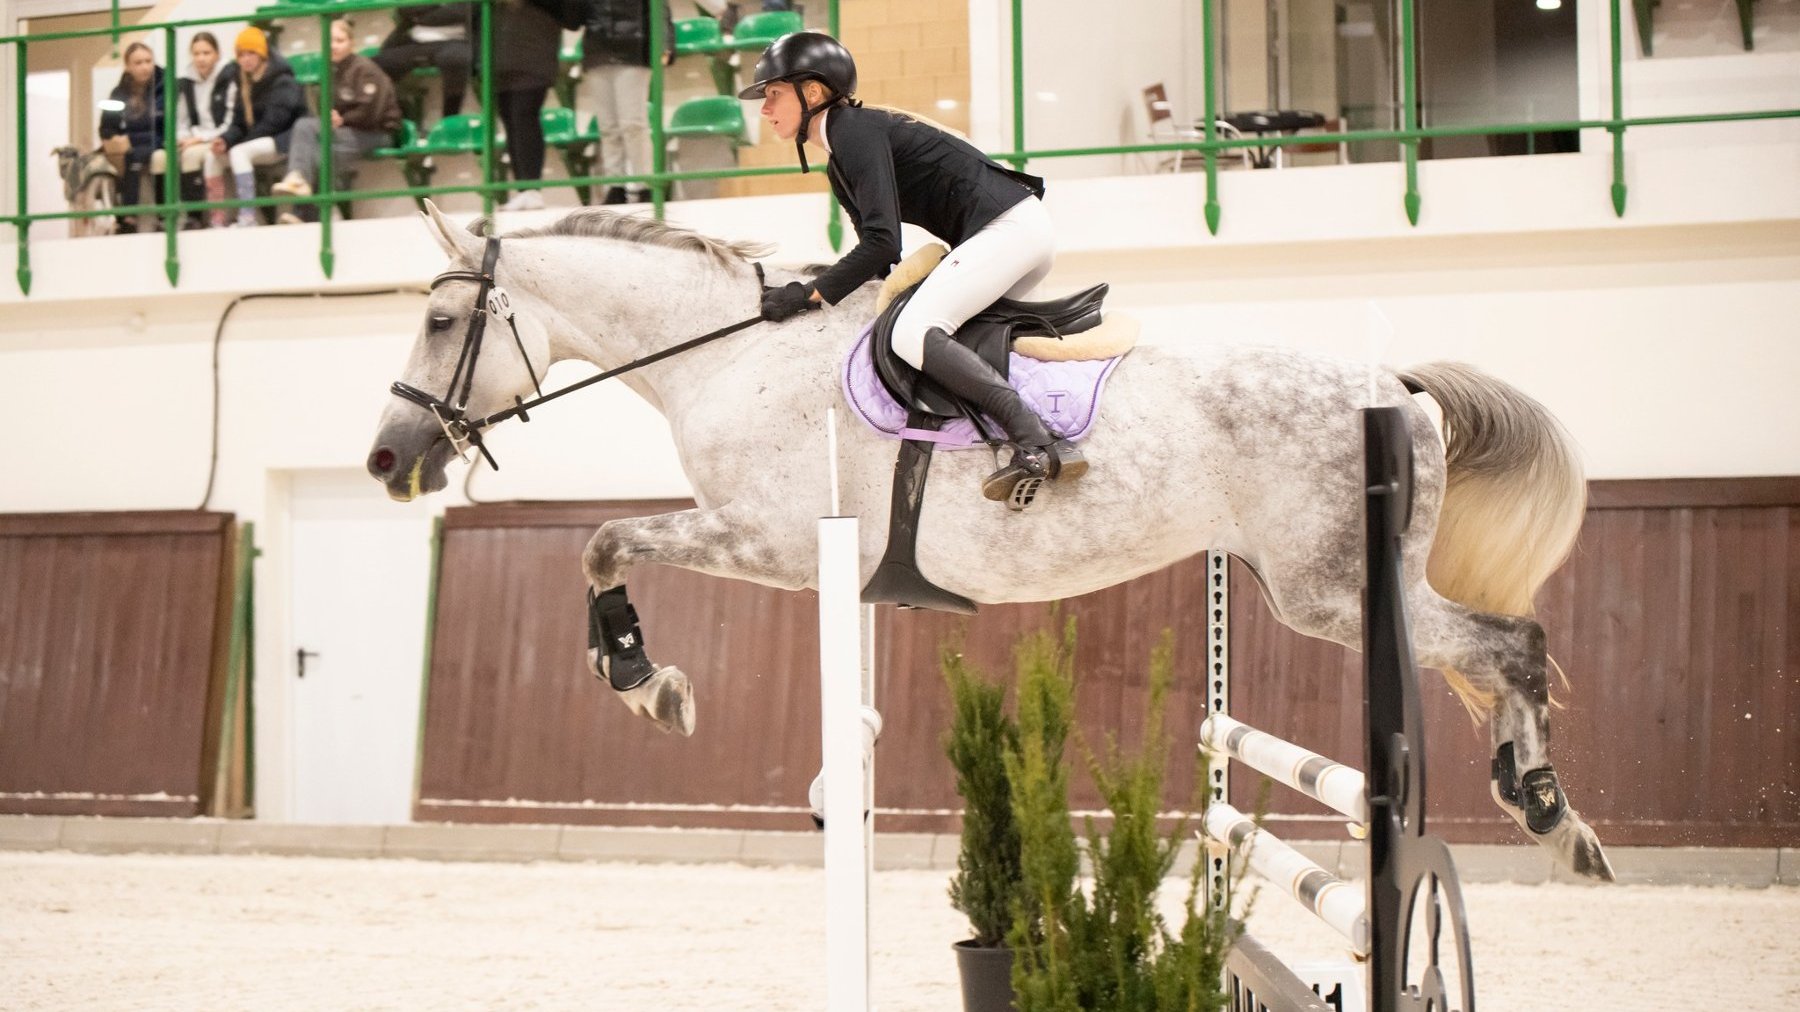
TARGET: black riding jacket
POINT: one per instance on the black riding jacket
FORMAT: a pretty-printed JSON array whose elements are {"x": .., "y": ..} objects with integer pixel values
[{"x": 887, "y": 168}]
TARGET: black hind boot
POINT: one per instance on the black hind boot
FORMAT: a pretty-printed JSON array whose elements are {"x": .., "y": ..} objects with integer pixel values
[{"x": 1037, "y": 454}]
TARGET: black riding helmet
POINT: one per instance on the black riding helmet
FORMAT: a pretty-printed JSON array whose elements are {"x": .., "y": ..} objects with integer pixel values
[{"x": 805, "y": 56}]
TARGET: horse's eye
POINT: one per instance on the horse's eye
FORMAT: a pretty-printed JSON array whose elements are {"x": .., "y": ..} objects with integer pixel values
[{"x": 439, "y": 324}]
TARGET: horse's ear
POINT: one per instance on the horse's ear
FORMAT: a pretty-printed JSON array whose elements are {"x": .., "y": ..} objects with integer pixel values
[{"x": 457, "y": 243}]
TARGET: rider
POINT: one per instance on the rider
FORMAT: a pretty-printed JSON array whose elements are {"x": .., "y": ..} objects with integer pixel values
[{"x": 887, "y": 167}]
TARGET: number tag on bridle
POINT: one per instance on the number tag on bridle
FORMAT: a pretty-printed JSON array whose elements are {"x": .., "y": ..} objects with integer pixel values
[{"x": 499, "y": 304}]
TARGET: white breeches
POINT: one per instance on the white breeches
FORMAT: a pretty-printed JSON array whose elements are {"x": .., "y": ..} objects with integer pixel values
[
  {"x": 194, "y": 158},
  {"x": 1008, "y": 257},
  {"x": 246, "y": 156}
]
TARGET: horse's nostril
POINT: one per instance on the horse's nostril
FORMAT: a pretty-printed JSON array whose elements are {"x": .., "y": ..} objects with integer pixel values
[{"x": 383, "y": 461}]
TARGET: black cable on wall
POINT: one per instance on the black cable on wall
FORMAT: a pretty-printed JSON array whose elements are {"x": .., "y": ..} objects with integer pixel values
[{"x": 212, "y": 468}]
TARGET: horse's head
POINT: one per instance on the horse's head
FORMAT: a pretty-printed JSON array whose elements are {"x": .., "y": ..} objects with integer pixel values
[{"x": 468, "y": 362}]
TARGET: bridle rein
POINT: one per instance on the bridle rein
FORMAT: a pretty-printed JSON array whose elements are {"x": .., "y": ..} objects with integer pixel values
[{"x": 451, "y": 410}]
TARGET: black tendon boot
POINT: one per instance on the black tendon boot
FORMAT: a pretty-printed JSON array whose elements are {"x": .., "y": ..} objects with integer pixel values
[
  {"x": 1037, "y": 454},
  {"x": 193, "y": 190}
]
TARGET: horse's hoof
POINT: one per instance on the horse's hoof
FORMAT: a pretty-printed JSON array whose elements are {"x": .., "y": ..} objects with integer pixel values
[
  {"x": 1574, "y": 843},
  {"x": 666, "y": 699},
  {"x": 673, "y": 705},
  {"x": 1576, "y": 846}
]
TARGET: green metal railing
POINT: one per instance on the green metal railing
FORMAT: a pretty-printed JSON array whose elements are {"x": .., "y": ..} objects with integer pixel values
[{"x": 1208, "y": 146}]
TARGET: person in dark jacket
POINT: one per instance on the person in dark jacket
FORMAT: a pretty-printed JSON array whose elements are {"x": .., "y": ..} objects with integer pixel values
[
  {"x": 615, "y": 85},
  {"x": 887, "y": 167},
  {"x": 527, "y": 41},
  {"x": 364, "y": 115},
  {"x": 203, "y": 113},
  {"x": 131, "y": 128},
  {"x": 439, "y": 35},
  {"x": 269, "y": 103}
]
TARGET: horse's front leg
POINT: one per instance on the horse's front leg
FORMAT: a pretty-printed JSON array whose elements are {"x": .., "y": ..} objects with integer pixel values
[{"x": 722, "y": 542}]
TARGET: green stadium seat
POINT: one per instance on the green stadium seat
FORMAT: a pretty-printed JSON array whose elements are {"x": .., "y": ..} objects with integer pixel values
[
  {"x": 309, "y": 68},
  {"x": 562, "y": 133},
  {"x": 568, "y": 73},
  {"x": 708, "y": 116},
  {"x": 757, "y": 30},
  {"x": 453, "y": 135},
  {"x": 698, "y": 36},
  {"x": 559, "y": 126},
  {"x": 406, "y": 138}
]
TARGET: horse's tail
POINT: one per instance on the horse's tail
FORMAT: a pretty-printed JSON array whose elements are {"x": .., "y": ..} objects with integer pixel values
[{"x": 1514, "y": 496}]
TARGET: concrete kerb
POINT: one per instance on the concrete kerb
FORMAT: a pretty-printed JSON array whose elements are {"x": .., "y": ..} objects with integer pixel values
[
  {"x": 250, "y": 837},
  {"x": 130, "y": 836},
  {"x": 30, "y": 832},
  {"x": 1752, "y": 867},
  {"x": 1701, "y": 866}
]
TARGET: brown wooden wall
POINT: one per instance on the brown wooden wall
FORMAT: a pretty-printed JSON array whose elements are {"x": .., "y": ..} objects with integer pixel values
[
  {"x": 112, "y": 634},
  {"x": 1675, "y": 618},
  {"x": 514, "y": 719}
]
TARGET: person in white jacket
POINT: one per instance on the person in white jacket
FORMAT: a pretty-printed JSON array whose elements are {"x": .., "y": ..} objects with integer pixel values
[{"x": 207, "y": 102}]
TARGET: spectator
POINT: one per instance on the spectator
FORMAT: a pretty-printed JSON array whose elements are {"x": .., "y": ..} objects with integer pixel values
[
  {"x": 527, "y": 38},
  {"x": 269, "y": 104},
  {"x": 203, "y": 111},
  {"x": 435, "y": 36},
  {"x": 131, "y": 127},
  {"x": 364, "y": 115},
  {"x": 616, "y": 86}
]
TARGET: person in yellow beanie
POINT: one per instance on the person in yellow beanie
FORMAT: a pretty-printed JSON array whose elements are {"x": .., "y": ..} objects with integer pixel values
[
  {"x": 269, "y": 103},
  {"x": 253, "y": 40}
]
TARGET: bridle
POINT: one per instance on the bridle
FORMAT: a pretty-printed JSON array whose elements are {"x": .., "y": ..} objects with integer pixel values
[{"x": 451, "y": 410}]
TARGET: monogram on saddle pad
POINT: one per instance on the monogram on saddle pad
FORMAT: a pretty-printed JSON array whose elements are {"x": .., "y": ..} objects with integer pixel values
[{"x": 1057, "y": 354}]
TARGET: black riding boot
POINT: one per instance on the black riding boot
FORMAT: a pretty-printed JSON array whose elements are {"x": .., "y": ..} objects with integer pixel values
[
  {"x": 1037, "y": 453},
  {"x": 193, "y": 190}
]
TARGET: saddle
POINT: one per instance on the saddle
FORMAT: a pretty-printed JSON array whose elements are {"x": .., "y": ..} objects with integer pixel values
[{"x": 990, "y": 334}]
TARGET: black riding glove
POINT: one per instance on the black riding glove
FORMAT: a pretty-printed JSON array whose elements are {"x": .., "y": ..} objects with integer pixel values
[{"x": 790, "y": 299}]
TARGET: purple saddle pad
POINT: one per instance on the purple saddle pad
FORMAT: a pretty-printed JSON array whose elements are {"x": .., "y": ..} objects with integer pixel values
[{"x": 1066, "y": 395}]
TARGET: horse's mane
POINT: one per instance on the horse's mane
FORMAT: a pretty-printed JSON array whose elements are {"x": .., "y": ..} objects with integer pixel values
[{"x": 598, "y": 223}]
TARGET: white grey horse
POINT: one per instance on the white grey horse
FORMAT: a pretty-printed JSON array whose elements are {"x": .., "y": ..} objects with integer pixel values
[{"x": 1198, "y": 445}]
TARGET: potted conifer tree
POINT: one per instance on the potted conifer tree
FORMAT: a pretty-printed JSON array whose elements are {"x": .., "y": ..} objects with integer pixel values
[
  {"x": 985, "y": 887},
  {"x": 1106, "y": 946}
]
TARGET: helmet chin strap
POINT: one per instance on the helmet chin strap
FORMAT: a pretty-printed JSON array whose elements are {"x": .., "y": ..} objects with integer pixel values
[{"x": 806, "y": 115}]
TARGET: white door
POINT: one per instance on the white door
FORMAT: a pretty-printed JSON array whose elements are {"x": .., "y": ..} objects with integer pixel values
[{"x": 361, "y": 566}]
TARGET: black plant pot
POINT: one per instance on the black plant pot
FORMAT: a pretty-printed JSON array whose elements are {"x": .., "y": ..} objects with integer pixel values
[{"x": 986, "y": 977}]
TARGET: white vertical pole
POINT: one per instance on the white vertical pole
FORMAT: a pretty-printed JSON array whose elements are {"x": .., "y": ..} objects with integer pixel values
[
  {"x": 840, "y": 705},
  {"x": 868, "y": 731}
]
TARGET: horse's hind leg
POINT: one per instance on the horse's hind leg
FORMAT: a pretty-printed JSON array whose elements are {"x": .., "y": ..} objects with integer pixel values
[
  {"x": 722, "y": 542},
  {"x": 1504, "y": 655}
]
